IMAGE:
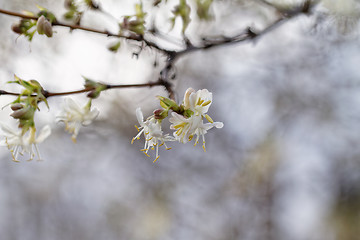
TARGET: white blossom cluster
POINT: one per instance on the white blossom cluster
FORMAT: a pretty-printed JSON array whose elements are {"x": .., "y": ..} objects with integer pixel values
[
  {"x": 20, "y": 142},
  {"x": 187, "y": 121}
]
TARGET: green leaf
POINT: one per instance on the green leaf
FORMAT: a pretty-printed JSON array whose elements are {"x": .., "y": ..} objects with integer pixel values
[
  {"x": 115, "y": 47},
  {"x": 183, "y": 11}
]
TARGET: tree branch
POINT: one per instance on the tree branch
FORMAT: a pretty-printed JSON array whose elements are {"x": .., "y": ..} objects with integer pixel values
[
  {"x": 48, "y": 94},
  {"x": 131, "y": 36},
  {"x": 248, "y": 34},
  {"x": 168, "y": 72}
]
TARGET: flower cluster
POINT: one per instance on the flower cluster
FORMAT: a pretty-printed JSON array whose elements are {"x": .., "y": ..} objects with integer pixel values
[
  {"x": 20, "y": 143},
  {"x": 187, "y": 121},
  {"x": 74, "y": 116},
  {"x": 23, "y": 139}
]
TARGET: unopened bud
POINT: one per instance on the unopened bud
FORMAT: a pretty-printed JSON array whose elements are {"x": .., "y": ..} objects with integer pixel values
[
  {"x": 93, "y": 94},
  {"x": 23, "y": 114},
  {"x": 48, "y": 29},
  {"x": 16, "y": 28},
  {"x": 40, "y": 24},
  {"x": 160, "y": 113},
  {"x": 43, "y": 26},
  {"x": 16, "y": 106}
]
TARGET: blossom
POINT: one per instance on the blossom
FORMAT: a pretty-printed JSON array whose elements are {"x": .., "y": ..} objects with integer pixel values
[
  {"x": 186, "y": 128},
  {"x": 198, "y": 102},
  {"x": 151, "y": 128},
  {"x": 20, "y": 143},
  {"x": 74, "y": 116}
]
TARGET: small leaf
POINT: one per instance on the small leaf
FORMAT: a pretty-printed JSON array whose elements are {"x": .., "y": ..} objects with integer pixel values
[{"x": 115, "y": 47}]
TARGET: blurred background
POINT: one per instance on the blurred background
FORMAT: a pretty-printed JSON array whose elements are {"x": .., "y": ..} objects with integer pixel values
[{"x": 285, "y": 166}]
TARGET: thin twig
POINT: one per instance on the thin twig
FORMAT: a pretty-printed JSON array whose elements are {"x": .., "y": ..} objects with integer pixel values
[
  {"x": 168, "y": 73},
  {"x": 131, "y": 36},
  {"x": 48, "y": 94}
]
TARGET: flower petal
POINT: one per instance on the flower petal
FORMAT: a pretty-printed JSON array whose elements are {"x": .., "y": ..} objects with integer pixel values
[
  {"x": 140, "y": 116},
  {"x": 44, "y": 133}
]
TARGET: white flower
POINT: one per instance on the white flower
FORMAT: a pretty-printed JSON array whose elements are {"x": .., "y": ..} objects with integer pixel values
[
  {"x": 74, "y": 116},
  {"x": 186, "y": 128},
  {"x": 19, "y": 143},
  {"x": 152, "y": 132},
  {"x": 198, "y": 102}
]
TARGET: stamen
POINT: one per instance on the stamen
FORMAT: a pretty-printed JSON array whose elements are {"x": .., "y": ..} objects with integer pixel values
[
  {"x": 146, "y": 154},
  {"x": 156, "y": 159},
  {"x": 206, "y": 103},
  {"x": 209, "y": 118},
  {"x": 179, "y": 125},
  {"x": 168, "y": 148},
  {"x": 191, "y": 137},
  {"x": 203, "y": 137},
  {"x": 137, "y": 128},
  {"x": 132, "y": 141},
  {"x": 179, "y": 131},
  {"x": 196, "y": 143},
  {"x": 199, "y": 102},
  {"x": 162, "y": 144},
  {"x": 37, "y": 152},
  {"x": 14, "y": 156},
  {"x": 152, "y": 148}
]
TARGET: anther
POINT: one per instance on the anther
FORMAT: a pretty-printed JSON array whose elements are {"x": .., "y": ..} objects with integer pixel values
[
  {"x": 137, "y": 128},
  {"x": 209, "y": 118},
  {"x": 156, "y": 159},
  {"x": 206, "y": 103}
]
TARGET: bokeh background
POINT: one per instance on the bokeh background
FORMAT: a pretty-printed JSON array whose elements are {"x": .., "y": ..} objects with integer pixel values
[{"x": 285, "y": 166}]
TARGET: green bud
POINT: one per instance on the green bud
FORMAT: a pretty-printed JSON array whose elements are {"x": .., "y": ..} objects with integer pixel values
[{"x": 167, "y": 104}]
